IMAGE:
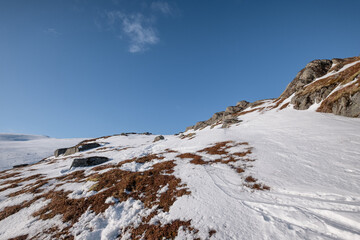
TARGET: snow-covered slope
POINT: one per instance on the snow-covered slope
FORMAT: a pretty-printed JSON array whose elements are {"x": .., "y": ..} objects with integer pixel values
[
  {"x": 257, "y": 171},
  {"x": 305, "y": 165},
  {"x": 18, "y": 149}
]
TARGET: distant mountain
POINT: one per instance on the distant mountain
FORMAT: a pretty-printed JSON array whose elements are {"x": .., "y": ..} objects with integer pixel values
[
  {"x": 19, "y": 137},
  {"x": 16, "y": 149},
  {"x": 261, "y": 170}
]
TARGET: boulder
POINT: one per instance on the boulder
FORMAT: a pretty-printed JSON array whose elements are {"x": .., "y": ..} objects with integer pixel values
[
  {"x": 233, "y": 109},
  {"x": 71, "y": 150},
  {"x": 78, "y": 148},
  {"x": 158, "y": 138},
  {"x": 228, "y": 122},
  {"x": 59, "y": 151},
  {"x": 20, "y": 165},
  {"x": 87, "y": 162},
  {"x": 243, "y": 104},
  {"x": 88, "y": 146}
]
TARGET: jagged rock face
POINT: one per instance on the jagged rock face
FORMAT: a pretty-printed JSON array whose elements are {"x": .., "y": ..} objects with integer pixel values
[
  {"x": 334, "y": 84},
  {"x": 312, "y": 70},
  {"x": 226, "y": 117}
]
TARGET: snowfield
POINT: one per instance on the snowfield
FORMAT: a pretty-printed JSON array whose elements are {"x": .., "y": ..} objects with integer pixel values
[
  {"x": 18, "y": 149},
  {"x": 278, "y": 174}
]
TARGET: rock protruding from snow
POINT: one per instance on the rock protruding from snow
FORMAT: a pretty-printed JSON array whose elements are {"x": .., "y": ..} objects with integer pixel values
[
  {"x": 226, "y": 117},
  {"x": 83, "y": 146},
  {"x": 59, "y": 151},
  {"x": 333, "y": 84},
  {"x": 90, "y": 161},
  {"x": 312, "y": 70},
  {"x": 158, "y": 138}
]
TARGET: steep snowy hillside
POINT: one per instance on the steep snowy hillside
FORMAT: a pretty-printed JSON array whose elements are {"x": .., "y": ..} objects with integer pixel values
[
  {"x": 18, "y": 149},
  {"x": 260, "y": 170}
]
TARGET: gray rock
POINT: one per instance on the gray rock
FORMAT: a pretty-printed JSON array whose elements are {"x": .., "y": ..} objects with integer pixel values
[
  {"x": 347, "y": 105},
  {"x": 90, "y": 161},
  {"x": 71, "y": 150},
  {"x": 233, "y": 109},
  {"x": 78, "y": 148},
  {"x": 312, "y": 70},
  {"x": 59, "y": 151},
  {"x": 20, "y": 165},
  {"x": 303, "y": 102},
  {"x": 228, "y": 122},
  {"x": 158, "y": 138},
  {"x": 88, "y": 146},
  {"x": 243, "y": 104}
]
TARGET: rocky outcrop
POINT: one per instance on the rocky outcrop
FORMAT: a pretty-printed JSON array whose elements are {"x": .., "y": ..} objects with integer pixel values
[
  {"x": 88, "y": 146},
  {"x": 312, "y": 70},
  {"x": 335, "y": 87},
  {"x": 227, "y": 117},
  {"x": 59, "y": 151},
  {"x": 83, "y": 146},
  {"x": 333, "y": 84},
  {"x": 158, "y": 138},
  {"x": 87, "y": 162}
]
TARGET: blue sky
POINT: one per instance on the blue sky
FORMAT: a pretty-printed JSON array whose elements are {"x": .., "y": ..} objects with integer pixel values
[{"x": 91, "y": 68}]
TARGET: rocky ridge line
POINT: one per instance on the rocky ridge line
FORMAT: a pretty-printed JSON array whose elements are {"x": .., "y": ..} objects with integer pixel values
[{"x": 333, "y": 84}]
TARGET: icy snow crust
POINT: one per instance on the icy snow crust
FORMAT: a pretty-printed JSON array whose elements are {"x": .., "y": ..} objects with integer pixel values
[{"x": 310, "y": 161}]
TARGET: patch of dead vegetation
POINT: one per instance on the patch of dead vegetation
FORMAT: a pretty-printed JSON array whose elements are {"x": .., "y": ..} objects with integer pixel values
[
  {"x": 168, "y": 150},
  {"x": 122, "y": 185},
  {"x": 277, "y": 103},
  {"x": 249, "y": 111},
  {"x": 14, "y": 185},
  {"x": 10, "y": 210},
  {"x": 167, "y": 231},
  {"x": 196, "y": 159},
  {"x": 6, "y": 175},
  {"x": 230, "y": 159},
  {"x": 346, "y": 92},
  {"x": 22, "y": 237},
  {"x": 342, "y": 62},
  {"x": 251, "y": 183},
  {"x": 218, "y": 149},
  {"x": 284, "y": 106},
  {"x": 342, "y": 77},
  {"x": 212, "y": 232}
]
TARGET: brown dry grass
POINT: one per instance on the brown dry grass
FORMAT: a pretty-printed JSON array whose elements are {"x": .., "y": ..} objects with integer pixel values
[
  {"x": 342, "y": 77},
  {"x": 22, "y": 237},
  {"x": 9, "y": 175},
  {"x": 10, "y": 210},
  {"x": 250, "y": 179},
  {"x": 123, "y": 185},
  {"x": 277, "y": 103},
  {"x": 227, "y": 158},
  {"x": 217, "y": 149},
  {"x": 155, "y": 232},
  {"x": 327, "y": 104},
  {"x": 343, "y": 62},
  {"x": 196, "y": 159},
  {"x": 284, "y": 106},
  {"x": 212, "y": 232}
]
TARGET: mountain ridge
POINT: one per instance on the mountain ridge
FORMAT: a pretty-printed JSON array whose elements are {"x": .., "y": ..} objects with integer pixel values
[{"x": 261, "y": 170}]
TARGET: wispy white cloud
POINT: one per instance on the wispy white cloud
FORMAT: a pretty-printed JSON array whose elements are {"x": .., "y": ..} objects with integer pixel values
[
  {"x": 137, "y": 28},
  {"x": 52, "y": 32},
  {"x": 162, "y": 7}
]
